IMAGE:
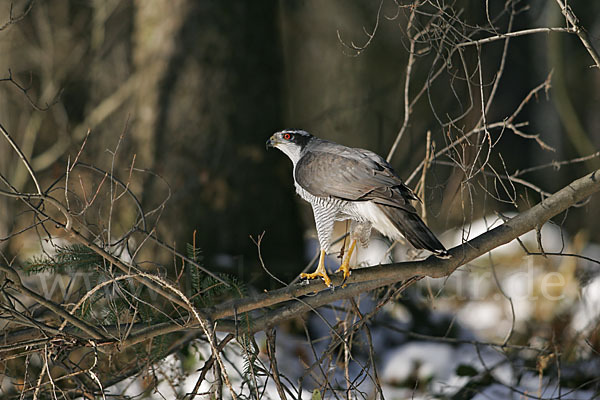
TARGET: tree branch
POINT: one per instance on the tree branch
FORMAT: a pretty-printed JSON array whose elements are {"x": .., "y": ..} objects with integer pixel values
[
  {"x": 365, "y": 279},
  {"x": 579, "y": 31}
]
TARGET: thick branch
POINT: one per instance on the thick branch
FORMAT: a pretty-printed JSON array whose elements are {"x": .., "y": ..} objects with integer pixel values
[{"x": 366, "y": 279}]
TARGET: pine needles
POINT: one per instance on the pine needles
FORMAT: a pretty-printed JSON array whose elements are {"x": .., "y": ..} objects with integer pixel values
[
  {"x": 206, "y": 290},
  {"x": 67, "y": 259}
]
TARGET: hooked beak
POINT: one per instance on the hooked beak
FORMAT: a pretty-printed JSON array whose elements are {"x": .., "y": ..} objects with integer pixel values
[{"x": 272, "y": 142}]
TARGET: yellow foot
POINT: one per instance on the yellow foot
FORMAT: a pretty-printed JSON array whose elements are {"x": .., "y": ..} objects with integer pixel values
[
  {"x": 317, "y": 274},
  {"x": 320, "y": 271},
  {"x": 345, "y": 267}
]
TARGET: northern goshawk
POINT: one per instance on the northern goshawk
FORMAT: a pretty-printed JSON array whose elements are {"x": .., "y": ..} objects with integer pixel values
[{"x": 342, "y": 183}]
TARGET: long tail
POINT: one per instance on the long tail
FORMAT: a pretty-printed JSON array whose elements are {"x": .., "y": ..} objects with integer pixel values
[{"x": 412, "y": 227}]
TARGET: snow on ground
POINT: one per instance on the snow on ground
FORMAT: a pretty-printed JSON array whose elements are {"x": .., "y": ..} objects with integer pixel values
[
  {"x": 422, "y": 360},
  {"x": 552, "y": 238},
  {"x": 475, "y": 299},
  {"x": 532, "y": 389},
  {"x": 588, "y": 309},
  {"x": 483, "y": 315}
]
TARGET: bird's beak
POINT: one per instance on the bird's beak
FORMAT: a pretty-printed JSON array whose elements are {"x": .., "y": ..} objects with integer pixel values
[{"x": 272, "y": 142}]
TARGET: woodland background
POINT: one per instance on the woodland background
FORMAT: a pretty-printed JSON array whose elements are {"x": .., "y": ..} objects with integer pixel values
[
  {"x": 177, "y": 98},
  {"x": 198, "y": 87}
]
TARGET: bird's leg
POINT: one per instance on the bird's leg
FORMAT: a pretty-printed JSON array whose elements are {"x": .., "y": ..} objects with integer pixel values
[
  {"x": 345, "y": 267},
  {"x": 319, "y": 272}
]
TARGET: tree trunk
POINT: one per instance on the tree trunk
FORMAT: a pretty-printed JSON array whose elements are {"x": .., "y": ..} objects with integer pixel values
[{"x": 203, "y": 116}]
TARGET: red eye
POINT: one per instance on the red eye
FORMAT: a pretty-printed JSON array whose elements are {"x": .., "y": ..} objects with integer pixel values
[{"x": 287, "y": 136}]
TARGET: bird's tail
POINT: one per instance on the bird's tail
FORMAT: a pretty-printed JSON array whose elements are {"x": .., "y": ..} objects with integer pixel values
[{"x": 412, "y": 227}]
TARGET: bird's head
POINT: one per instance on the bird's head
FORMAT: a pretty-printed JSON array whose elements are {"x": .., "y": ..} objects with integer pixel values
[{"x": 291, "y": 142}]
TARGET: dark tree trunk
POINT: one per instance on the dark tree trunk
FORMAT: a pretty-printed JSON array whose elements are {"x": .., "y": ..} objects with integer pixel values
[{"x": 218, "y": 100}]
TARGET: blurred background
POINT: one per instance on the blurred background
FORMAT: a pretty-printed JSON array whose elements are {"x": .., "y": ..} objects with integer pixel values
[
  {"x": 196, "y": 87},
  {"x": 177, "y": 98}
]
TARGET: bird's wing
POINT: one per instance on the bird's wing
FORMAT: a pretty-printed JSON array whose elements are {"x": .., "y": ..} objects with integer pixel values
[{"x": 352, "y": 174}]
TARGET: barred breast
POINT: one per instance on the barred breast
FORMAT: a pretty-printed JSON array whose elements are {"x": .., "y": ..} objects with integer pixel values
[{"x": 326, "y": 212}]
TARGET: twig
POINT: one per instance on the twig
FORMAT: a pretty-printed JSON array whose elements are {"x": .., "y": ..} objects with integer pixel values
[
  {"x": 503, "y": 36},
  {"x": 407, "y": 77},
  {"x": 208, "y": 365},
  {"x": 366, "y": 279},
  {"x": 581, "y": 33},
  {"x": 22, "y": 157},
  {"x": 14, "y": 19},
  {"x": 257, "y": 243},
  {"x": 504, "y": 124},
  {"x": 25, "y": 91},
  {"x": 370, "y": 35},
  {"x": 271, "y": 347},
  {"x": 18, "y": 284}
]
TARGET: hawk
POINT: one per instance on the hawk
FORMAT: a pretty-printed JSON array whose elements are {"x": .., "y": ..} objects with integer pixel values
[{"x": 342, "y": 183}]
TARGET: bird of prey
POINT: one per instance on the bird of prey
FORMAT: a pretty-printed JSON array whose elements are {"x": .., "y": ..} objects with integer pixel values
[{"x": 342, "y": 183}]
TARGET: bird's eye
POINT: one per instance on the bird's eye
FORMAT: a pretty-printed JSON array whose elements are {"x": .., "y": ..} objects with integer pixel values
[{"x": 287, "y": 136}]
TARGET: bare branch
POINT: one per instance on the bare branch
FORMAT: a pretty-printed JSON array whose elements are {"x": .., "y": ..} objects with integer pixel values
[
  {"x": 370, "y": 35},
  {"x": 13, "y": 19},
  {"x": 22, "y": 157},
  {"x": 366, "y": 279},
  {"x": 581, "y": 33},
  {"x": 503, "y": 36}
]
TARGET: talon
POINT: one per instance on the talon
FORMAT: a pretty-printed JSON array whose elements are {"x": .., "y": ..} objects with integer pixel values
[
  {"x": 316, "y": 275},
  {"x": 345, "y": 267},
  {"x": 320, "y": 272}
]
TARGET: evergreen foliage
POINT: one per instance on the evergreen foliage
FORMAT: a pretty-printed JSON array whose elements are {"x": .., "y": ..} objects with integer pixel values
[
  {"x": 206, "y": 290},
  {"x": 67, "y": 259}
]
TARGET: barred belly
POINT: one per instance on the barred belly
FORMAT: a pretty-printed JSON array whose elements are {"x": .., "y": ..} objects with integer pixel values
[{"x": 327, "y": 211}]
